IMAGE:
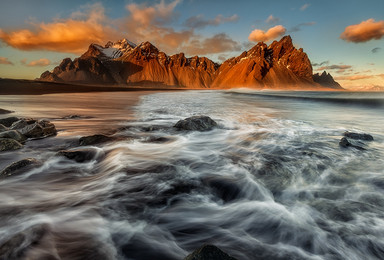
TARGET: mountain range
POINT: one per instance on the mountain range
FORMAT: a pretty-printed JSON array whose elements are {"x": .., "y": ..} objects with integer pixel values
[{"x": 279, "y": 65}]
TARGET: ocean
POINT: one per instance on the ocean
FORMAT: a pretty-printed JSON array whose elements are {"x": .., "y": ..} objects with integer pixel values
[{"x": 270, "y": 182}]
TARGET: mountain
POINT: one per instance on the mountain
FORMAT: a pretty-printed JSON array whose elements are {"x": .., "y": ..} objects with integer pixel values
[
  {"x": 279, "y": 65},
  {"x": 325, "y": 79}
]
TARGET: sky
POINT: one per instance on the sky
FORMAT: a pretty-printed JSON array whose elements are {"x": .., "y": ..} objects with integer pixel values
[{"x": 343, "y": 37}]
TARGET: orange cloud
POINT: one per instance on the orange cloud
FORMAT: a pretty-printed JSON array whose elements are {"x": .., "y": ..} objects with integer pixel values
[
  {"x": 364, "y": 31},
  {"x": 36, "y": 63},
  {"x": 5, "y": 61},
  {"x": 355, "y": 77},
  {"x": 64, "y": 35},
  {"x": 262, "y": 36}
]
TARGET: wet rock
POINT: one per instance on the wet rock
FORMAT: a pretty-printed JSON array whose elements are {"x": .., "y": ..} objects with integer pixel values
[
  {"x": 157, "y": 140},
  {"x": 80, "y": 154},
  {"x": 197, "y": 123},
  {"x": 358, "y": 136},
  {"x": 13, "y": 134},
  {"x": 8, "y": 121},
  {"x": 345, "y": 143},
  {"x": 16, "y": 167},
  {"x": 3, "y": 128},
  {"x": 15, "y": 247},
  {"x": 39, "y": 129},
  {"x": 4, "y": 111},
  {"x": 209, "y": 252},
  {"x": 76, "y": 117},
  {"x": 8, "y": 144},
  {"x": 22, "y": 123},
  {"x": 94, "y": 139}
]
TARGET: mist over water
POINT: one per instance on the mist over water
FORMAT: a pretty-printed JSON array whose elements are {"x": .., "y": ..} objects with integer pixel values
[{"x": 271, "y": 182}]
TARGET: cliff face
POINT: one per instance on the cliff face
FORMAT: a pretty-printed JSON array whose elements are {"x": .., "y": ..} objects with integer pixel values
[{"x": 278, "y": 65}]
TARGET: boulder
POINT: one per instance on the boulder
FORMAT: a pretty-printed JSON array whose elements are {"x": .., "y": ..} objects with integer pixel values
[
  {"x": 358, "y": 136},
  {"x": 209, "y": 252},
  {"x": 197, "y": 123},
  {"x": 8, "y": 121},
  {"x": 345, "y": 143},
  {"x": 13, "y": 134},
  {"x": 94, "y": 139},
  {"x": 15, "y": 167},
  {"x": 8, "y": 144},
  {"x": 80, "y": 154},
  {"x": 22, "y": 123},
  {"x": 39, "y": 129}
]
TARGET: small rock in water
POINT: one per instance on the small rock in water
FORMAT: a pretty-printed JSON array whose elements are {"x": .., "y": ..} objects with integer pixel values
[
  {"x": 13, "y": 134},
  {"x": 197, "y": 123},
  {"x": 209, "y": 252},
  {"x": 94, "y": 139},
  {"x": 79, "y": 155},
  {"x": 345, "y": 144},
  {"x": 14, "y": 168},
  {"x": 8, "y": 144},
  {"x": 8, "y": 121},
  {"x": 358, "y": 136},
  {"x": 4, "y": 111},
  {"x": 40, "y": 129}
]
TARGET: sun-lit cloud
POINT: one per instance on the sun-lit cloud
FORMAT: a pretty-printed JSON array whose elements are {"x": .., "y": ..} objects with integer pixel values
[
  {"x": 199, "y": 22},
  {"x": 364, "y": 31},
  {"x": 340, "y": 69},
  {"x": 304, "y": 7},
  {"x": 264, "y": 36},
  {"x": 298, "y": 27},
  {"x": 36, "y": 63},
  {"x": 216, "y": 44},
  {"x": 5, "y": 61},
  {"x": 376, "y": 50},
  {"x": 272, "y": 19},
  {"x": 354, "y": 77},
  {"x": 63, "y": 35},
  {"x": 320, "y": 63}
]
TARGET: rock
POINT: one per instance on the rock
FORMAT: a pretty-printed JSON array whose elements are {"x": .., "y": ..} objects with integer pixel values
[
  {"x": 3, "y": 128},
  {"x": 199, "y": 123},
  {"x": 94, "y": 139},
  {"x": 13, "y": 134},
  {"x": 80, "y": 154},
  {"x": 15, "y": 167},
  {"x": 157, "y": 140},
  {"x": 325, "y": 79},
  {"x": 22, "y": 123},
  {"x": 4, "y": 111},
  {"x": 8, "y": 121},
  {"x": 20, "y": 242},
  {"x": 358, "y": 136},
  {"x": 344, "y": 142},
  {"x": 40, "y": 129},
  {"x": 209, "y": 252},
  {"x": 7, "y": 144}
]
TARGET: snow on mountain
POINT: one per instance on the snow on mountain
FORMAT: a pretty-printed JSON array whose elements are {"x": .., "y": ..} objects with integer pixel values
[{"x": 114, "y": 50}]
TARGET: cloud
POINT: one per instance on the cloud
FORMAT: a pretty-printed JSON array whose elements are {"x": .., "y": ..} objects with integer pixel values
[
  {"x": 298, "y": 27},
  {"x": 198, "y": 21},
  {"x": 272, "y": 33},
  {"x": 335, "y": 67},
  {"x": 36, "y": 63},
  {"x": 216, "y": 44},
  {"x": 63, "y": 35},
  {"x": 5, "y": 61},
  {"x": 321, "y": 63},
  {"x": 272, "y": 20},
  {"x": 305, "y": 6},
  {"x": 376, "y": 50},
  {"x": 222, "y": 58},
  {"x": 364, "y": 31},
  {"x": 354, "y": 77}
]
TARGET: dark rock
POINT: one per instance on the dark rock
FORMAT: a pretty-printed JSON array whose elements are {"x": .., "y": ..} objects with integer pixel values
[
  {"x": 209, "y": 252},
  {"x": 358, "y": 136},
  {"x": 3, "y": 128},
  {"x": 325, "y": 79},
  {"x": 4, "y": 111},
  {"x": 22, "y": 123},
  {"x": 80, "y": 154},
  {"x": 157, "y": 139},
  {"x": 13, "y": 134},
  {"x": 94, "y": 139},
  {"x": 40, "y": 129},
  {"x": 7, "y": 144},
  {"x": 344, "y": 142},
  {"x": 76, "y": 117},
  {"x": 8, "y": 121},
  {"x": 199, "y": 123},
  {"x": 15, "y": 167},
  {"x": 20, "y": 242}
]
